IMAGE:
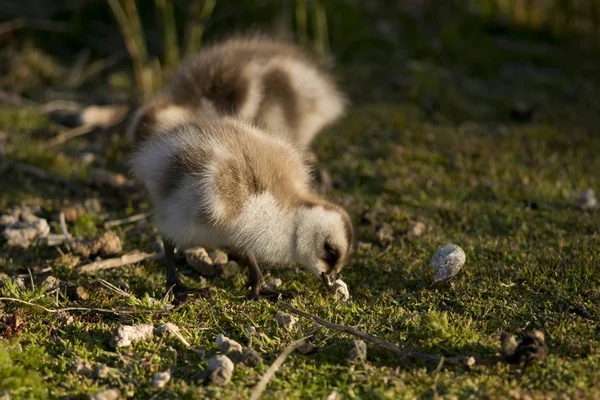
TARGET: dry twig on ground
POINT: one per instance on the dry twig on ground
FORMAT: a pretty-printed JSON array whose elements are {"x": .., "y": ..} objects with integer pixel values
[{"x": 116, "y": 262}]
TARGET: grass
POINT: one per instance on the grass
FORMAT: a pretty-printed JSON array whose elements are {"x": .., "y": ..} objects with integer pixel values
[{"x": 429, "y": 138}]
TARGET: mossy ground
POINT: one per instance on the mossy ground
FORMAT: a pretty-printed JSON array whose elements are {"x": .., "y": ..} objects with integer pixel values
[{"x": 429, "y": 138}]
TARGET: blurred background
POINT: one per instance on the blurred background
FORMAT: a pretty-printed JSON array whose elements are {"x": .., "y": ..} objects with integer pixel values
[{"x": 439, "y": 53}]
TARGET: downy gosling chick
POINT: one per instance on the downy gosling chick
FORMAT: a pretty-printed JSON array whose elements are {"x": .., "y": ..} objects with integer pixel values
[
  {"x": 273, "y": 84},
  {"x": 223, "y": 183}
]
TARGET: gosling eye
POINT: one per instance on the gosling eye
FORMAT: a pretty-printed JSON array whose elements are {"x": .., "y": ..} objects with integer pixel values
[{"x": 331, "y": 255}]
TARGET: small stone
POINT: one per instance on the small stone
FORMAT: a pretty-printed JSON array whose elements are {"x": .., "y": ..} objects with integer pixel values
[
  {"x": 218, "y": 257},
  {"x": 107, "y": 394},
  {"x": 334, "y": 396},
  {"x": 124, "y": 335},
  {"x": 228, "y": 270},
  {"x": 103, "y": 116},
  {"x": 199, "y": 259},
  {"x": 385, "y": 233},
  {"x": 417, "y": 229},
  {"x": 220, "y": 376},
  {"x": 22, "y": 228},
  {"x": 19, "y": 282},
  {"x": 226, "y": 344},
  {"x": 123, "y": 286},
  {"x": 101, "y": 371},
  {"x": 358, "y": 351},
  {"x": 340, "y": 288},
  {"x": 87, "y": 158},
  {"x": 73, "y": 212},
  {"x": 447, "y": 262},
  {"x": 251, "y": 330},
  {"x": 51, "y": 283},
  {"x": 220, "y": 361},
  {"x": 74, "y": 292},
  {"x": 160, "y": 379},
  {"x": 532, "y": 348},
  {"x": 107, "y": 245},
  {"x": 81, "y": 367},
  {"x": 306, "y": 348},
  {"x": 286, "y": 320},
  {"x": 64, "y": 318},
  {"x": 251, "y": 357},
  {"x": 274, "y": 283},
  {"x": 587, "y": 200}
]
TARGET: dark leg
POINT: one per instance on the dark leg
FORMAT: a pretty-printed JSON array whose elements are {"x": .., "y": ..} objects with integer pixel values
[
  {"x": 257, "y": 291},
  {"x": 180, "y": 291}
]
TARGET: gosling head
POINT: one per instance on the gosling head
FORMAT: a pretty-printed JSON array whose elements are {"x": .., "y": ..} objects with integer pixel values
[{"x": 324, "y": 240}]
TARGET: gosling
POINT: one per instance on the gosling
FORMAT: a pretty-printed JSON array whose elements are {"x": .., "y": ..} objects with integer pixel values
[{"x": 221, "y": 182}]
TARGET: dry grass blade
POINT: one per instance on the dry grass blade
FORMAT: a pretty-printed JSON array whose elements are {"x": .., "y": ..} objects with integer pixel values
[
  {"x": 465, "y": 361},
  {"x": 264, "y": 381},
  {"x": 116, "y": 262},
  {"x": 198, "y": 16},
  {"x": 128, "y": 220},
  {"x": 67, "y": 309}
]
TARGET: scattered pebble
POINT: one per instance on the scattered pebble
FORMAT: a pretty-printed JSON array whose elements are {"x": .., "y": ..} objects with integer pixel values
[
  {"x": 19, "y": 282},
  {"x": 21, "y": 228},
  {"x": 107, "y": 245},
  {"x": 107, "y": 394},
  {"x": 286, "y": 320},
  {"x": 81, "y": 367},
  {"x": 306, "y": 348},
  {"x": 417, "y": 229},
  {"x": 218, "y": 257},
  {"x": 160, "y": 379},
  {"x": 587, "y": 200},
  {"x": 385, "y": 233},
  {"x": 124, "y": 335},
  {"x": 51, "y": 282},
  {"x": 220, "y": 370},
  {"x": 251, "y": 357},
  {"x": 447, "y": 262},
  {"x": 101, "y": 371},
  {"x": 218, "y": 361},
  {"x": 199, "y": 259},
  {"x": 334, "y": 396},
  {"x": 251, "y": 330},
  {"x": 220, "y": 376},
  {"x": 532, "y": 348},
  {"x": 358, "y": 351},
  {"x": 124, "y": 286},
  {"x": 227, "y": 345},
  {"x": 340, "y": 289},
  {"x": 228, "y": 270},
  {"x": 274, "y": 283},
  {"x": 64, "y": 318},
  {"x": 74, "y": 292},
  {"x": 87, "y": 158}
]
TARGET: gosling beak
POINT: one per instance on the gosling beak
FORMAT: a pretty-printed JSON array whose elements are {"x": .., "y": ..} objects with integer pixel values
[{"x": 329, "y": 279}]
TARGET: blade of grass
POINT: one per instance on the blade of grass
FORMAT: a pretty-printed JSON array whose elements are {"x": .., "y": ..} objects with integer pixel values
[
  {"x": 135, "y": 46},
  {"x": 198, "y": 16},
  {"x": 164, "y": 9},
  {"x": 321, "y": 31},
  {"x": 301, "y": 21}
]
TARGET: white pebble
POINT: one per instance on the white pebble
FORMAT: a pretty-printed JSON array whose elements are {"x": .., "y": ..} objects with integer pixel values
[
  {"x": 341, "y": 290},
  {"x": 160, "y": 379},
  {"x": 228, "y": 345},
  {"x": 286, "y": 320},
  {"x": 124, "y": 335},
  {"x": 447, "y": 262},
  {"x": 220, "y": 361}
]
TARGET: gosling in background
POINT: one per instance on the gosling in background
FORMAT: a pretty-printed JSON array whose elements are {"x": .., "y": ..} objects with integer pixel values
[{"x": 273, "y": 84}]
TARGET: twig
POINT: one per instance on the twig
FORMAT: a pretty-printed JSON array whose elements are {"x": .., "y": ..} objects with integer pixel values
[
  {"x": 264, "y": 381},
  {"x": 116, "y": 262},
  {"x": 57, "y": 310},
  {"x": 63, "y": 228},
  {"x": 465, "y": 361},
  {"x": 70, "y": 134},
  {"x": 123, "y": 221}
]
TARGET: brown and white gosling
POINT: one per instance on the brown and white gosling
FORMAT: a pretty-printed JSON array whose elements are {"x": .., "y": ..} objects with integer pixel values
[
  {"x": 223, "y": 183},
  {"x": 273, "y": 84}
]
